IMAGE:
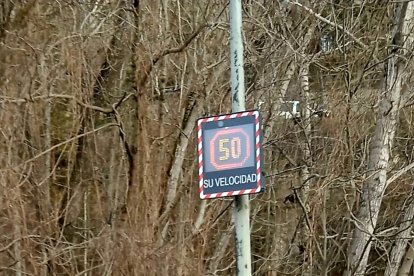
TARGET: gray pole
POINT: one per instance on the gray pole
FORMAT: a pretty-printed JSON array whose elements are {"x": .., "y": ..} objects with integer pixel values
[{"x": 242, "y": 204}]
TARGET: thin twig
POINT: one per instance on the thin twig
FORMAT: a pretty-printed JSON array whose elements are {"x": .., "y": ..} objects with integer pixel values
[
  {"x": 323, "y": 19},
  {"x": 4, "y": 99},
  {"x": 16, "y": 240},
  {"x": 67, "y": 141}
]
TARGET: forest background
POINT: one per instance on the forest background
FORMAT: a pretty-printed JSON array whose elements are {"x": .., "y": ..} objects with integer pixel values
[{"x": 98, "y": 165}]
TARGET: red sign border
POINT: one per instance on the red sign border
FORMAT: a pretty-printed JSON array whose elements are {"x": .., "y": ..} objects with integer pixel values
[{"x": 200, "y": 122}]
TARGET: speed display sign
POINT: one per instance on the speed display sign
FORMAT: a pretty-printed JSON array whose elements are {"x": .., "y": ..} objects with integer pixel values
[{"x": 229, "y": 155}]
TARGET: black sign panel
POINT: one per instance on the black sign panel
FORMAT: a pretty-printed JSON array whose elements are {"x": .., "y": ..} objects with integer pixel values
[{"x": 229, "y": 151}]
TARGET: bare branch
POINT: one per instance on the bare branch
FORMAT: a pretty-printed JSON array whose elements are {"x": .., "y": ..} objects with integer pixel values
[
  {"x": 68, "y": 141},
  {"x": 61, "y": 96},
  {"x": 17, "y": 240},
  {"x": 323, "y": 19},
  {"x": 399, "y": 173}
]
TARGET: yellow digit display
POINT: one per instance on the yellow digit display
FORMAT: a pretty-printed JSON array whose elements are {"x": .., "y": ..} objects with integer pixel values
[
  {"x": 235, "y": 147},
  {"x": 229, "y": 149},
  {"x": 224, "y": 149},
  {"x": 234, "y": 150}
]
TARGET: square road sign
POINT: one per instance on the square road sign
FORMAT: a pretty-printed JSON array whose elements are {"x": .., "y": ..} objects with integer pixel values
[{"x": 230, "y": 155}]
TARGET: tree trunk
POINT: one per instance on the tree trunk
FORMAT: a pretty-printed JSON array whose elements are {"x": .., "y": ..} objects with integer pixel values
[
  {"x": 304, "y": 235},
  {"x": 280, "y": 242},
  {"x": 219, "y": 251},
  {"x": 380, "y": 149},
  {"x": 408, "y": 261},
  {"x": 275, "y": 107},
  {"x": 180, "y": 151},
  {"x": 401, "y": 240}
]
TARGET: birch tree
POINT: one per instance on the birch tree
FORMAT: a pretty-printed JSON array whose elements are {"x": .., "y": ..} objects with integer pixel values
[
  {"x": 401, "y": 239},
  {"x": 407, "y": 263},
  {"x": 382, "y": 142}
]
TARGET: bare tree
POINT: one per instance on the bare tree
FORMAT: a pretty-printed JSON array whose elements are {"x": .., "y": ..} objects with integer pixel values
[
  {"x": 98, "y": 161},
  {"x": 382, "y": 142},
  {"x": 401, "y": 239}
]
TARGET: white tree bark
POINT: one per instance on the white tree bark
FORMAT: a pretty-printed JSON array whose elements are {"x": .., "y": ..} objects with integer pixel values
[
  {"x": 401, "y": 240},
  {"x": 175, "y": 171},
  {"x": 219, "y": 251},
  {"x": 17, "y": 247},
  {"x": 380, "y": 149},
  {"x": 275, "y": 107},
  {"x": 290, "y": 70},
  {"x": 408, "y": 262},
  {"x": 305, "y": 171}
]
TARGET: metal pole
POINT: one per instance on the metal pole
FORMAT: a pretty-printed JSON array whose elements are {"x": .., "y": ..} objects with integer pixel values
[{"x": 242, "y": 204}]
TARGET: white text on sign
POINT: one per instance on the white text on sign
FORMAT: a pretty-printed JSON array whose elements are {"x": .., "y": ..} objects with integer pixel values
[{"x": 229, "y": 181}]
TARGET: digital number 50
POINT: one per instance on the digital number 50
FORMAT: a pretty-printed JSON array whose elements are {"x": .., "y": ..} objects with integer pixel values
[{"x": 230, "y": 147}]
